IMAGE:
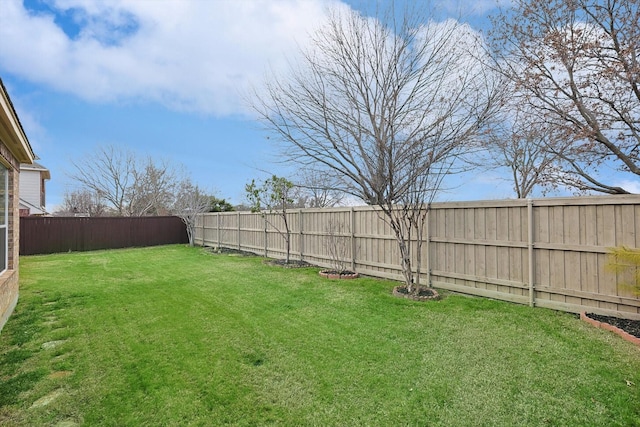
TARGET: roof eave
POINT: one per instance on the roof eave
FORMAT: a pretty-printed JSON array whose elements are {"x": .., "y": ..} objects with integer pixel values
[{"x": 11, "y": 130}]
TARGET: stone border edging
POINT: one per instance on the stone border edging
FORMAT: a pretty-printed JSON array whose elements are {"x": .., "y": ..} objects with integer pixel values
[
  {"x": 351, "y": 275},
  {"x": 624, "y": 334}
]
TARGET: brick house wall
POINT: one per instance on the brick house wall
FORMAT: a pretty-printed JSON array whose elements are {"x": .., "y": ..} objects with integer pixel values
[
  {"x": 9, "y": 278},
  {"x": 14, "y": 149}
]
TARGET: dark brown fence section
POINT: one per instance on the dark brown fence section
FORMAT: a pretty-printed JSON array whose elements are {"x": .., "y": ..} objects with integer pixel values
[{"x": 47, "y": 235}]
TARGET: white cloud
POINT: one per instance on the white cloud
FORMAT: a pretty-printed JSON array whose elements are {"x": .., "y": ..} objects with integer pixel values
[
  {"x": 632, "y": 186},
  {"x": 188, "y": 55}
]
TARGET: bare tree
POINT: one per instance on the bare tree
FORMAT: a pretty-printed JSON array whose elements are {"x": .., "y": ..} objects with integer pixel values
[
  {"x": 128, "y": 184},
  {"x": 190, "y": 201},
  {"x": 153, "y": 188},
  {"x": 338, "y": 245},
  {"x": 576, "y": 62},
  {"x": 526, "y": 148},
  {"x": 384, "y": 103},
  {"x": 320, "y": 188},
  {"x": 82, "y": 202},
  {"x": 274, "y": 195},
  {"x": 108, "y": 172}
]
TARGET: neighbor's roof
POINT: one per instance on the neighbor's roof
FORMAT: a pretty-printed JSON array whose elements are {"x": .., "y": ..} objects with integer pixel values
[
  {"x": 34, "y": 210},
  {"x": 35, "y": 166},
  {"x": 11, "y": 130}
]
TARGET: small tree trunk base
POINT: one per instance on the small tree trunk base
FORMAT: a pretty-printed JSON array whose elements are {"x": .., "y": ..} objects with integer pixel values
[{"x": 420, "y": 294}]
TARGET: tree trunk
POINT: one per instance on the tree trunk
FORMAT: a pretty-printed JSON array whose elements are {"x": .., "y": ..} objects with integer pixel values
[
  {"x": 405, "y": 254},
  {"x": 406, "y": 263},
  {"x": 287, "y": 235},
  {"x": 288, "y": 243},
  {"x": 190, "y": 234}
]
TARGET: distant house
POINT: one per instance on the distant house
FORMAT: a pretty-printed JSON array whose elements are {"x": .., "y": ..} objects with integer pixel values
[
  {"x": 14, "y": 150},
  {"x": 32, "y": 189}
]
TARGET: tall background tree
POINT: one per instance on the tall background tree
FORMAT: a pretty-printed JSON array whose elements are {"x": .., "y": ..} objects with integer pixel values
[
  {"x": 219, "y": 205},
  {"x": 576, "y": 63},
  {"x": 125, "y": 183},
  {"x": 319, "y": 188},
  {"x": 153, "y": 187},
  {"x": 83, "y": 202},
  {"x": 189, "y": 202},
  {"x": 518, "y": 144},
  {"x": 113, "y": 180},
  {"x": 108, "y": 173},
  {"x": 387, "y": 104}
]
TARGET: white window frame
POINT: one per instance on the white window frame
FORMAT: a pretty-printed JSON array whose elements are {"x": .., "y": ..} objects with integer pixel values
[{"x": 4, "y": 225}]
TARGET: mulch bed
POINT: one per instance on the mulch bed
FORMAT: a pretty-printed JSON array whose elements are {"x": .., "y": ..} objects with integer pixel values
[
  {"x": 630, "y": 326},
  {"x": 293, "y": 263},
  {"x": 230, "y": 251},
  {"x": 423, "y": 294}
]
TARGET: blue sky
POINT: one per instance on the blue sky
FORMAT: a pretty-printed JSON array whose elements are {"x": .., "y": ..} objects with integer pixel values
[{"x": 165, "y": 78}]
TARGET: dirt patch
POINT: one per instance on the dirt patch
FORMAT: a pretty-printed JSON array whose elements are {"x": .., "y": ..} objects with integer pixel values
[
  {"x": 293, "y": 263},
  {"x": 229, "y": 251},
  {"x": 60, "y": 374},
  {"x": 52, "y": 344},
  {"x": 45, "y": 400}
]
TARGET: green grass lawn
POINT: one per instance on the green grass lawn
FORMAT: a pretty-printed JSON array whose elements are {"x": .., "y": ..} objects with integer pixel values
[{"x": 179, "y": 336}]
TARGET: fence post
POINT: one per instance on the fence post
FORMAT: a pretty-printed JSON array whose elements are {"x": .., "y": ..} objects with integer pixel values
[
  {"x": 301, "y": 238},
  {"x": 218, "y": 232},
  {"x": 353, "y": 239},
  {"x": 266, "y": 235},
  {"x": 530, "y": 250},
  {"x": 202, "y": 215},
  {"x": 239, "y": 248},
  {"x": 428, "y": 241}
]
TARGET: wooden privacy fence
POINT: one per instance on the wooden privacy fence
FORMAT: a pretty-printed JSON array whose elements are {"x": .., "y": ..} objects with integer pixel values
[
  {"x": 46, "y": 235},
  {"x": 544, "y": 252}
]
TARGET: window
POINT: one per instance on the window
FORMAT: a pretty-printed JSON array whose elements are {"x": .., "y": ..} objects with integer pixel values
[{"x": 4, "y": 209}]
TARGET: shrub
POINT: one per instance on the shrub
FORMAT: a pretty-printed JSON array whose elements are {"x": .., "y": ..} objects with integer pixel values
[{"x": 626, "y": 260}]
